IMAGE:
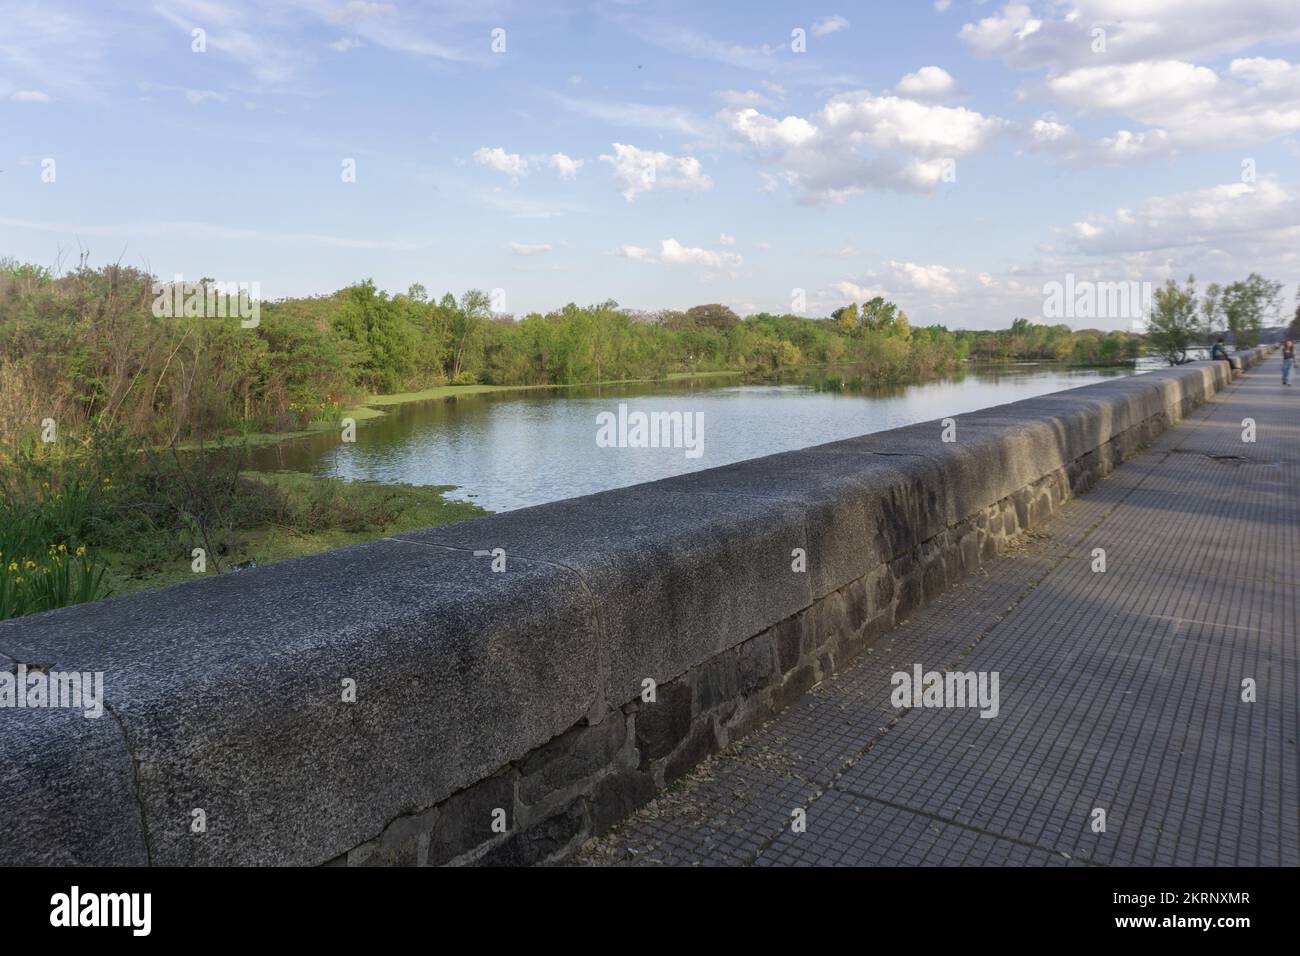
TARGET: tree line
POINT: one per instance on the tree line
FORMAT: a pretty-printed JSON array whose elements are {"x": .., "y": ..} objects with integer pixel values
[
  {"x": 1182, "y": 320},
  {"x": 87, "y": 347}
]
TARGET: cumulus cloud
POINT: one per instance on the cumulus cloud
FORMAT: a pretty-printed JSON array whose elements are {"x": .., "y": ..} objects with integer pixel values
[
  {"x": 763, "y": 131},
  {"x": 1181, "y": 104},
  {"x": 639, "y": 171},
  {"x": 1065, "y": 143},
  {"x": 1137, "y": 59},
  {"x": 673, "y": 252},
  {"x": 497, "y": 159},
  {"x": 639, "y": 253},
  {"x": 927, "y": 83},
  {"x": 566, "y": 166},
  {"x": 29, "y": 96},
  {"x": 927, "y": 278},
  {"x": 859, "y": 141}
]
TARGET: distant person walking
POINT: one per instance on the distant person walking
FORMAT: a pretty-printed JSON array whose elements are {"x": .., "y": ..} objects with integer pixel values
[{"x": 1288, "y": 361}]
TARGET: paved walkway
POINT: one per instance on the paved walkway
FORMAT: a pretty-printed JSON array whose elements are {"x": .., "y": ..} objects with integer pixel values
[{"x": 1119, "y": 690}]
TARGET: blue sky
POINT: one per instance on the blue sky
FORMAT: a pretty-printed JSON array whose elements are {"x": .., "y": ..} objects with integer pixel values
[{"x": 951, "y": 156}]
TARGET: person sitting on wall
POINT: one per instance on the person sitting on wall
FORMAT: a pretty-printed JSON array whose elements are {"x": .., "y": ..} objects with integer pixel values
[{"x": 1220, "y": 351}]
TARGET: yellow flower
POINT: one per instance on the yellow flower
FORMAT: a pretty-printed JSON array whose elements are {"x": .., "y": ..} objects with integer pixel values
[
  {"x": 29, "y": 564},
  {"x": 63, "y": 549},
  {"x": 81, "y": 551},
  {"x": 13, "y": 565},
  {"x": 18, "y": 580}
]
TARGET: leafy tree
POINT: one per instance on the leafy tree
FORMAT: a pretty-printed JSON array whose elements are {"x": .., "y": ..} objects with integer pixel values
[
  {"x": 1247, "y": 305},
  {"x": 1174, "y": 326},
  {"x": 468, "y": 319},
  {"x": 375, "y": 322},
  {"x": 846, "y": 318},
  {"x": 714, "y": 316}
]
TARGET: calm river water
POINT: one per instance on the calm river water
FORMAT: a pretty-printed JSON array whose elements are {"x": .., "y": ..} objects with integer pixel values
[{"x": 514, "y": 449}]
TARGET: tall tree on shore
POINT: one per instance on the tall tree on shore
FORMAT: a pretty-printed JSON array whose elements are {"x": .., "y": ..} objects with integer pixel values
[
  {"x": 846, "y": 318},
  {"x": 1175, "y": 326},
  {"x": 467, "y": 321}
]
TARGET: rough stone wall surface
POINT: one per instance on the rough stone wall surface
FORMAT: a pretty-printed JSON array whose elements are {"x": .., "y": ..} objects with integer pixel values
[{"x": 501, "y": 718}]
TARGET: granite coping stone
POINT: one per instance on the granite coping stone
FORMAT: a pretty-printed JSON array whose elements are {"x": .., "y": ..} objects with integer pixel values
[
  {"x": 675, "y": 577},
  {"x": 230, "y": 693}
]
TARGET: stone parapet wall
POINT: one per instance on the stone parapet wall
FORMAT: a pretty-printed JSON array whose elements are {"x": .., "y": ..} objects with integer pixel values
[{"x": 503, "y": 717}]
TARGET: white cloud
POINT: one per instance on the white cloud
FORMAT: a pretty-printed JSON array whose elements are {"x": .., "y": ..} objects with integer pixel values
[
  {"x": 887, "y": 122},
  {"x": 1265, "y": 211},
  {"x": 1135, "y": 30},
  {"x": 859, "y": 141},
  {"x": 853, "y": 292},
  {"x": 30, "y": 96},
  {"x": 638, "y": 171},
  {"x": 727, "y": 240},
  {"x": 345, "y": 44},
  {"x": 634, "y": 252},
  {"x": 1067, "y": 144},
  {"x": 941, "y": 6},
  {"x": 672, "y": 251},
  {"x": 828, "y": 25},
  {"x": 566, "y": 166},
  {"x": 763, "y": 131},
  {"x": 931, "y": 278},
  {"x": 929, "y": 82},
  {"x": 530, "y": 249},
  {"x": 1182, "y": 104},
  {"x": 496, "y": 158},
  {"x": 1135, "y": 89}
]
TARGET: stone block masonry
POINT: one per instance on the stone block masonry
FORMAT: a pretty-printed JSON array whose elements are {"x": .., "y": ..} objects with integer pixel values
[{"x": 504, "y": 718}]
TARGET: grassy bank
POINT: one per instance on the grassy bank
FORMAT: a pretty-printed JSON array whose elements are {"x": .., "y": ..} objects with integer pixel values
[
  {"x": 377, "y": 510},
  {"x": 86, "y": 519}
]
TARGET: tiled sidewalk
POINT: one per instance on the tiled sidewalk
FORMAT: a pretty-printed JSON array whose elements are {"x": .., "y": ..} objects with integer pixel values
[{"x": 1118, "y": 690}]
